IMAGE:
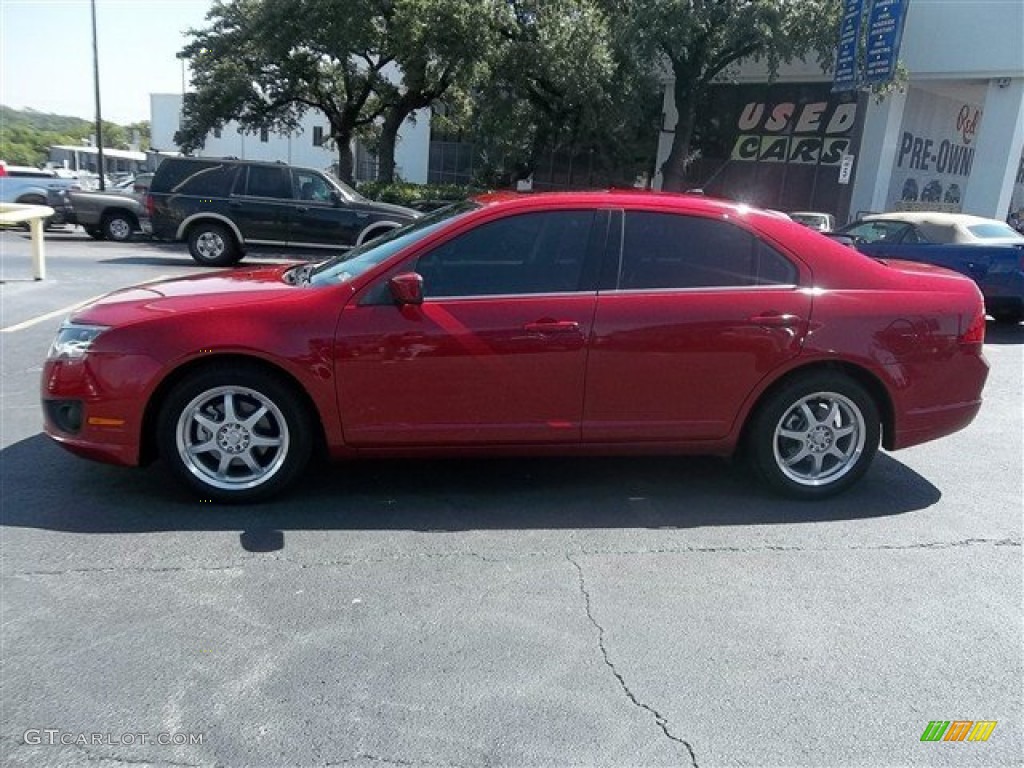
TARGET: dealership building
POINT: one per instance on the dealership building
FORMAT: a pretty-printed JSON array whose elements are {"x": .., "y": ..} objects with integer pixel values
[{"x": 952, "y": 139}]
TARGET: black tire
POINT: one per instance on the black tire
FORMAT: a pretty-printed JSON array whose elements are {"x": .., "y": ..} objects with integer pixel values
[
  {"x": 94, "y": 232},
  {"x": 232, "y": 469},
  {"x": 213, "y": 245},
  {"x": 119, "y": 227},
  {"x": 820, "y": 451}
]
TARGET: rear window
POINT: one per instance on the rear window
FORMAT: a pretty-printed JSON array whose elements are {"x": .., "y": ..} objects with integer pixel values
[
  {"x": 213, "y": 178},
  {"x": 994, "y": 231}
]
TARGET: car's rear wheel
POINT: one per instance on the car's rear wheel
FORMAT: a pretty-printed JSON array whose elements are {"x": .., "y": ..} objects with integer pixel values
[
  {"x": 815, "y": 436},
  {"x": 213, "y": 245},
  {"x": 119, "y": 227},
  {"x": 235, "y": 434}
]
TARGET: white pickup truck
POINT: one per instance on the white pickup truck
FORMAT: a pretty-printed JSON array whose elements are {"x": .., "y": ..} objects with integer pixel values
[{"x": 35, "y": 186}]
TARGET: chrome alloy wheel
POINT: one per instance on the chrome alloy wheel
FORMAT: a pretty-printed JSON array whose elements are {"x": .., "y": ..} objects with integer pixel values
[
  {"x": 210, "y": 245},
  {"x": 119, "y": 229},
  {"x": 232, "y": 438},
  {"x": 819, "y": 439}
]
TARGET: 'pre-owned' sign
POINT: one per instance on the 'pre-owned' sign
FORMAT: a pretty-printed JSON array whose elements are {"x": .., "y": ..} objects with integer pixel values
[
  {"x": 814, "y": 133},
  {"x": 935, "y": 154}
]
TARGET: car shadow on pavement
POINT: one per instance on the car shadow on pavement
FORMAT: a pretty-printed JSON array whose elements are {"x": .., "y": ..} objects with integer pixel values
[
  {"x": 1004, "y": 333},
  {"x": 45, "y": 487}
]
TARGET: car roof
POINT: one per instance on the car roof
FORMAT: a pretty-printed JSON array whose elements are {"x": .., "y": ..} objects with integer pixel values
[
  {"x": 238, "y": 160},
  {"x": 629, "y": 198}
]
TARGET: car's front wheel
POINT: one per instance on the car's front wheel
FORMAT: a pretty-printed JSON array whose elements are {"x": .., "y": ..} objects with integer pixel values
[
  {"x": 212, "y": 245},
  {"x": 235, "y": 434},
  {"x": 815, "y": 436}
]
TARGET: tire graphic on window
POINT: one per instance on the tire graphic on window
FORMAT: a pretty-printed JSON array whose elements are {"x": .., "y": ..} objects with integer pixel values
[
  {"x": 932, "y": 192},
  {"x": 909, "y": 190}
]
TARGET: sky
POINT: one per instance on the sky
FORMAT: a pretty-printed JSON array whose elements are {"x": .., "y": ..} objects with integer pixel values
[{"x": 46, "y": 58}]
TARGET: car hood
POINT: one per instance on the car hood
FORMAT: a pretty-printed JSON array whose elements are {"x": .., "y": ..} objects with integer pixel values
[
  {"x": 201, "y": 293},
  {"x": 391, "y": 208}
]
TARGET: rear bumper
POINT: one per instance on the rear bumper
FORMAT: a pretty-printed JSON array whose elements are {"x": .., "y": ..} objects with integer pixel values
[
  {"x": 920, "y": 426},
  {"x": 946, "y": 399}
]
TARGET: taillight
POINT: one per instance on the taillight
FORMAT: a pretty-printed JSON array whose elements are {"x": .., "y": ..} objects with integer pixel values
[
  {"x": 975, "y": 333},
  {"x": 3, "y": 169},
  {"x": 150, "y": 206}
]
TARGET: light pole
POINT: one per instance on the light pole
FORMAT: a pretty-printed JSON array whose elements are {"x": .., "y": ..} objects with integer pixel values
[{"x": 99, "y": 116}]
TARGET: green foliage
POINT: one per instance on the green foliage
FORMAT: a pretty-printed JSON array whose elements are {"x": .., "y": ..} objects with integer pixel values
[
  {"x": 413, "y": 195},
  {"x": 562, "y": 78},
  {"x": 26, "y": 135}
]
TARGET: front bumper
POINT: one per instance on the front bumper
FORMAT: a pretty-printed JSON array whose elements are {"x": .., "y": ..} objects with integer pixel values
[{"x": 95, "y": 406}]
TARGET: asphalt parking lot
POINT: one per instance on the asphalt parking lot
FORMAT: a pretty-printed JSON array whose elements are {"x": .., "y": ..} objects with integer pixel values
[{"x": 548, "y": 612}]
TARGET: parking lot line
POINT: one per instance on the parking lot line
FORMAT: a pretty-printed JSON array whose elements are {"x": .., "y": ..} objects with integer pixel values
[
  {"x": 48, "y": 316},
  {"x": 65, "y": 310}
]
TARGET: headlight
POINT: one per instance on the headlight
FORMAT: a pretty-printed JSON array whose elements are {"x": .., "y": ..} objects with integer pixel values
[{"x": 73, "y": 341}]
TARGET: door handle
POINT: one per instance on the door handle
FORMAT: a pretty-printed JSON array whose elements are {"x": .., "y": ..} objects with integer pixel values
[
  {"x": 302, "y": 208},
  {"x": 775, "y": 320},
  {"x": 552, "y": 326}
]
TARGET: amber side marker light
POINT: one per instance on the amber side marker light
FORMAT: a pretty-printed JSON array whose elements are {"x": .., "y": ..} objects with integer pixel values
[{"x": 100, "y": 421}]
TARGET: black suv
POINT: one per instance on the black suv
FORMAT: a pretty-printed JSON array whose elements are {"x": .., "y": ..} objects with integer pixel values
[{"x": 222, "y": 206}]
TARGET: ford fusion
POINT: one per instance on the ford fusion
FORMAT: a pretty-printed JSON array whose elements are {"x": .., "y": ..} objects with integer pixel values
[{"x": 592, "y": 323}]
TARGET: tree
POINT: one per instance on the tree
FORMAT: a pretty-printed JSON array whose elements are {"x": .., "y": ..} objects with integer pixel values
[
  {"x": 559, "y": 80},
  {"x": 437, "y": 45},
  {"x": 699, "y": 40},
  {"x": 265, "y": 63}
]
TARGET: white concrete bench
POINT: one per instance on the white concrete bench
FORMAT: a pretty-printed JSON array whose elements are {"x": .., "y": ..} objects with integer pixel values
[{"x": 16, "y": 213}]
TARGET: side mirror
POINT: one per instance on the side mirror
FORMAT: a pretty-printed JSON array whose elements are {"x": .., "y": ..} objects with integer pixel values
[
  {"x": 406, "y": 288},
  {"x": 336, "y": 197}
]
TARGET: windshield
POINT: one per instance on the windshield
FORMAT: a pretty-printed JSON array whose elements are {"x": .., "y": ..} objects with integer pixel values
[
  {"x": 879, "y": 229},
  {"x": 358, "y": 261},
  {"x": 346, "y": 191}
]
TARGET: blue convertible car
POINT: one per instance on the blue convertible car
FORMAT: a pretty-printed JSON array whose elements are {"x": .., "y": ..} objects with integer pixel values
[{"x": 986, "y": 250}]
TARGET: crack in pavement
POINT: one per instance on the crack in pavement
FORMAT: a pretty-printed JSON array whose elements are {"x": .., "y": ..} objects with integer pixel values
[
  {"x": 94, "y": 757},
  {"x": 659, "y": 718},
  {"x": 350, "y": 562},
  {"x": 386, "y": 761}
]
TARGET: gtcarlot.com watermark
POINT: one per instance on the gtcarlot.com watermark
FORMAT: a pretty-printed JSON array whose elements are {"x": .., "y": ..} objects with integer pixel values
[{"x": 54, "y": 736}]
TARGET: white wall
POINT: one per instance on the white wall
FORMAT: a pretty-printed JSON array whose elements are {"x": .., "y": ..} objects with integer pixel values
[
  {"x": 411, "y": 155},
  {"x": 964, "y": 38}
]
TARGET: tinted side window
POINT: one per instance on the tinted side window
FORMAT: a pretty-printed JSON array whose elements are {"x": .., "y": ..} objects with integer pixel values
[
  {"x": 268, "y": 181},
  {"x": 666, "y": 250},
  {"x": 311, "y": 186},
  {"x": 210, "y": 178},
  {"x": 529, "y": 253}
]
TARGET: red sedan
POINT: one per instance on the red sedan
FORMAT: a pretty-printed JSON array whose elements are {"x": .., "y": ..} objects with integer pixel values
[{"x": 566, "y": 323}]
